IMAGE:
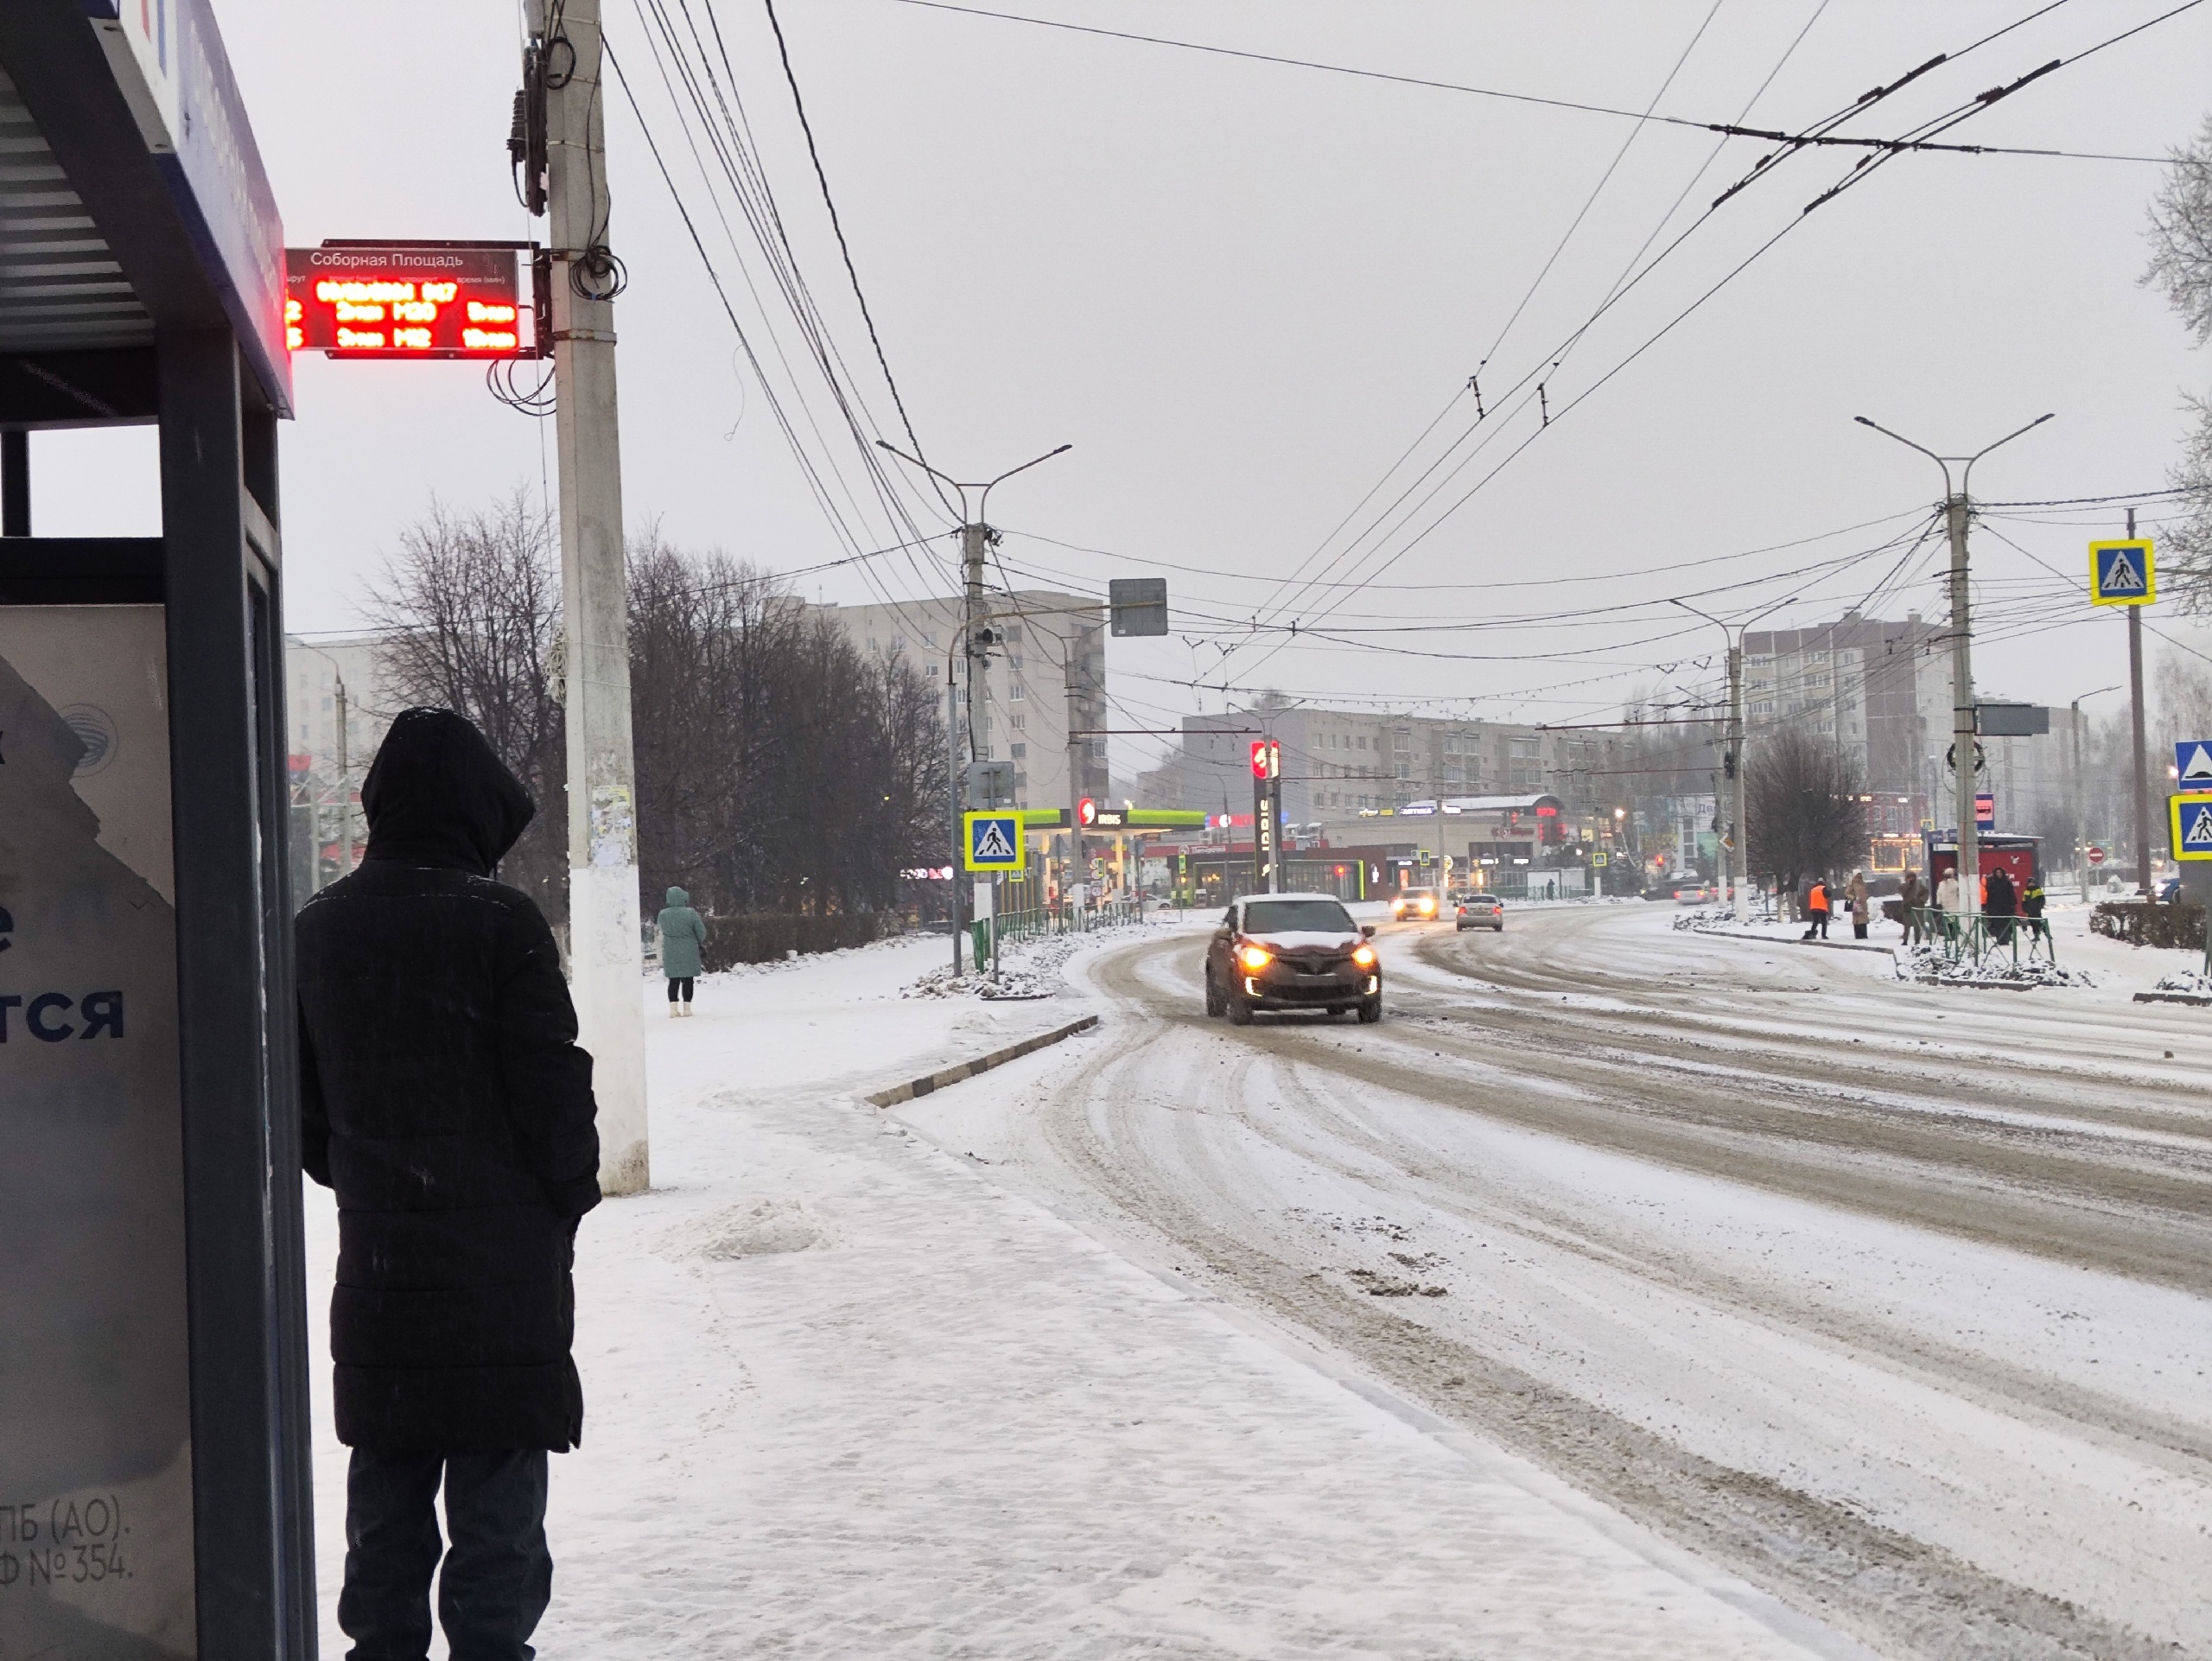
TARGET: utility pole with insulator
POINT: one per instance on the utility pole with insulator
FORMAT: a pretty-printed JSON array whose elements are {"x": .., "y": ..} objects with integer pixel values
[
  {"x": 1958, "y": 509},
  {"x": 974, "y": 640},
  {"x": 2142, "y": 755},
  {"x": 605, "y": 945}
]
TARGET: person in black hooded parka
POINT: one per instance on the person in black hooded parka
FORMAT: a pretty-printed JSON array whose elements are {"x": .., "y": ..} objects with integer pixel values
[{"x": 444, "y": 1098}]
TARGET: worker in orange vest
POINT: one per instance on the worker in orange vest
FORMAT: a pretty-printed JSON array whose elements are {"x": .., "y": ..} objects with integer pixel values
[{"x": 1816, "y": 910}]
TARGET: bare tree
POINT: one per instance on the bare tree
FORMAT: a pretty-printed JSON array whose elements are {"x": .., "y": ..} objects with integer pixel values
[
  {"x": 471, "y": 605},
  {"x": 2181, "y": 234},
  {"x": 1803, "y": 795},
  {"x": 778, "y": 767},
  {"x": 2181, "y": 266}
]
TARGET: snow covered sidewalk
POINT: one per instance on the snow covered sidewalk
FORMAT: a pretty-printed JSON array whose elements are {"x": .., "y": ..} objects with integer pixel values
[{"x": 848, "y": 1397}]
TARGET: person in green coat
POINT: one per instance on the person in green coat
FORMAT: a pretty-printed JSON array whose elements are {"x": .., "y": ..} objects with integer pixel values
[{"x": 683, "y": 934}]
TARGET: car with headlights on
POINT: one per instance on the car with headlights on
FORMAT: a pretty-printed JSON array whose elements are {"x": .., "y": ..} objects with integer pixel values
[
  {"x": 1284, "y": 952},
  {"x": 1482, "y": 910},
  {"x": 1416, "y": 905}
]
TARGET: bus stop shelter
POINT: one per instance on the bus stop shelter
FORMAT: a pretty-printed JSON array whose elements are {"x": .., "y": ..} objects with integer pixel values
[{"x": 154, "y": 1498}]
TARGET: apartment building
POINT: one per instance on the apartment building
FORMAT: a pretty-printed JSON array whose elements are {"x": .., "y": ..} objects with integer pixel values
[
  {"x": 1022, "y": 699},
  {"x": 1339, "y": 764},
  {"x": 1880, "y": 689}
]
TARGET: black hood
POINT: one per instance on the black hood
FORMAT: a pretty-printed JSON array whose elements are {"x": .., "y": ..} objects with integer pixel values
[{"x": 436, "y": 795}]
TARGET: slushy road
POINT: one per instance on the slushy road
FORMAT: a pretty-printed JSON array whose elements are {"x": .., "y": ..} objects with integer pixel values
[{"x": 1893, "y": 1300}]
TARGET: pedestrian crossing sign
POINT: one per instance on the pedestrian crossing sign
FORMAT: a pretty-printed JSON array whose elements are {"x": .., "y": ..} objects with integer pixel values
[
  {"x": 2192, "y": 824},
  {"x": 2122, "y": 573},
  {"x": 991, "y": 842}
]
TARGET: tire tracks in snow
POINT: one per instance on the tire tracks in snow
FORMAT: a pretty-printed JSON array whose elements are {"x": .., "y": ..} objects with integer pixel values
[{"x": 1898, "y": 1593}]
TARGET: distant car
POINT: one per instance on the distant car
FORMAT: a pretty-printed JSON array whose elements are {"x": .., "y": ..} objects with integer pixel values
[
  {"x": 1482, "y": 911},
  {"x": 1420, "y": 904},
  {"x": 1282, "y": 951}
]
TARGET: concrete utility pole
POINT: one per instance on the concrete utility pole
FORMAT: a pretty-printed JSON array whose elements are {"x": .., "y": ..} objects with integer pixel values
[
  {"x": 344, "y": 795},
  {"x": 2142, "y": 756},
  {"x": 605, "y": 947},
  {"x": 975, "y": 537},
  {"x": 1073, "y": 872},
  {"x": 1957, "y": 510},
  {"x": 1739, "y": 822}
]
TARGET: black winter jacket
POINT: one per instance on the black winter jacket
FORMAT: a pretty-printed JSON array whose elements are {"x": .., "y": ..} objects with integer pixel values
[{"x": 445, "y": 1099}]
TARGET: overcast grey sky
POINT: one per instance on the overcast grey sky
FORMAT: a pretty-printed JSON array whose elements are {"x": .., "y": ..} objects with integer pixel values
[{"x": 1241, "y": 290}]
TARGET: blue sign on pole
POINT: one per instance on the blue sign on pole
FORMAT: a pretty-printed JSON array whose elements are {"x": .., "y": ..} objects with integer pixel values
[
  {"x": 2192, "y": 826},
  {"x": 2122, "y": 573},
  {"x": 1984, "y": 810},
  {"x": 2193, "y": 761},
  {"x": 994, "y": 841}
]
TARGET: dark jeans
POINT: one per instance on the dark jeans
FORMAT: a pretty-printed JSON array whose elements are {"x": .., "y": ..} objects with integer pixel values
[
  {"x": 684, "y": 983},
  {"x": 1816, "y": 923},
  {"x": 498, "y": 1576}
]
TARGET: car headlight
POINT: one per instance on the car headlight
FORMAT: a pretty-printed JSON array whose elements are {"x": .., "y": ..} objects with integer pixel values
[
  {"x": 1255, "y": 957},
  {"x": 1364, "y": 955}
]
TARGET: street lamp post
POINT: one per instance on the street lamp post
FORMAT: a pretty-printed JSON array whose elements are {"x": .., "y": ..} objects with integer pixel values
[
  {"x": 1736, "y": 848},
  {"x": 1957, "y": 509},
  {"x": 974, "y": 533}
]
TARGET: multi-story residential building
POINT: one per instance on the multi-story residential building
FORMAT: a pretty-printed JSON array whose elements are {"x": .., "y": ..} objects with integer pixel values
[
  {"x": 1050, "y": 643},
  {"x": 313, "y": 670},
  {"x": 1340, "y": 764},
  {"x": 1870, "y": 684}
]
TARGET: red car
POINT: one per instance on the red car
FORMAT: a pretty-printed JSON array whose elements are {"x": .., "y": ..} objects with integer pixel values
[{"x": 1283, "y": 952}]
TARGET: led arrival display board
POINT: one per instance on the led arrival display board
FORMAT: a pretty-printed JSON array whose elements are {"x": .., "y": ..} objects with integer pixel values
[{"x": 408, "y": 300}]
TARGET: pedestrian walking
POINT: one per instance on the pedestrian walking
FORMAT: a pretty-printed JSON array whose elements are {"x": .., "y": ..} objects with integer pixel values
[
  {"x": 444, "y": 1098},
  {"x": 1816, "y": 910},
  {"x": 683, "y": 937},
  {"x": 1861, "y": 905},
  {"x": 1912, "y": 901}
]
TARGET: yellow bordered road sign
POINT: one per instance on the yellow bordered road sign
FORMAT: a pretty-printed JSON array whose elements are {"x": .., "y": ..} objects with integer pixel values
[
  {"x": 2123, "y": 573},
  {"x": 2192, "y": 815},
  {"x": 991, "y": 842}
]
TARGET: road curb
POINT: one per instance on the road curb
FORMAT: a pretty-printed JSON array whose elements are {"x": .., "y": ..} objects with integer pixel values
[
  {"x": 2197, "y": 998},
  {"x": 953, "y": 1075}
]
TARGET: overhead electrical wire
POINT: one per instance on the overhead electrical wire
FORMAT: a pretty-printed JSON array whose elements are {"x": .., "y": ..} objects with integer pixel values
[
  {"x": 1377, "y": 560},
  {"x": 709, "y": 109},
  {"x": 1576, "y": 105}
]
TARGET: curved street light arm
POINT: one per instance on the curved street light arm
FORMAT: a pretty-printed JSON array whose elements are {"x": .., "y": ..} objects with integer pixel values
[
  {"x": 1910, "y": 445},
  {"x": 2008, "y": 438},
  {"x": 982, "y": 506}
]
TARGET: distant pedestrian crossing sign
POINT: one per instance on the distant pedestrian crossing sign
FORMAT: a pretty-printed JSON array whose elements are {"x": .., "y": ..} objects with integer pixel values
[
  {"x": 2122, "y": 573},
  {"x": 993, "y": 842},
  {"x": 2192, "y": 824}
]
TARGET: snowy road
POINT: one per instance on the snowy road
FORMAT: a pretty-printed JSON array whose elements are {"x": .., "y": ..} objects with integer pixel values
[{"x": 1891, "y": 1301}]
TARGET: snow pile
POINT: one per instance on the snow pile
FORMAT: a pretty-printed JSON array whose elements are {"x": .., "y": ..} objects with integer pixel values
[
  {"x": 1930, "y": 967},
  {"x": 1028, "y": 970},
  {"x": 1715, "y": 920},
  {"x": 2188, "y": 980}
]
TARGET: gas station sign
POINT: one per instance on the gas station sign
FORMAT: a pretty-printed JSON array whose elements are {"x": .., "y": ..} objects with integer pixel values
[{"x": 407, "y": 300}]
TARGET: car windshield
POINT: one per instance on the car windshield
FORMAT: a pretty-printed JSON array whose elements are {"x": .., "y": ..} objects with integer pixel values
[{"x": 1297, "y": 917}]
